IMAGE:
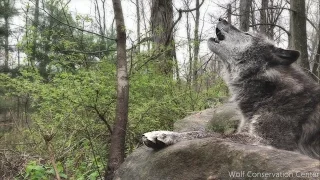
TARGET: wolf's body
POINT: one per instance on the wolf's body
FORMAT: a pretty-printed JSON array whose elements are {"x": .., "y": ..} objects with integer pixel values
[{"x": 278, "y": 101}]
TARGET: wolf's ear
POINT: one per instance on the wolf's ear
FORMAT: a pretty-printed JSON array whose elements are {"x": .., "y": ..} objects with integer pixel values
[{"x": 284, "y": 57}]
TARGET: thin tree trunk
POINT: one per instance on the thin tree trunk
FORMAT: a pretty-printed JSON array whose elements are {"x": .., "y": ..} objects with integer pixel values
[
  {"x": 18, "y": 58},
  {"x": 26, "y": 32},
  {"x": 188, "y": 26},
  {"x": 138, "y": 24},
  {"x": 253, "y": 18},
  {"x": 176, "y": 65},
  {"x": 245, "y": 6},
  {"x": 35, "y": 32},
  {"x": 299, "y": 32},
  {"x": 316, "y": 65},
  {"x": 315, "y": 69},
  {"x": 52, "y": 159},
  {"x": 104, "y": 15},
  {"x": 103, "y": 40},
  {"x": 45, "y": 60},
  {"x": 229, "y": 12},
  {"x": 6, "y": 44},
  {"x": 263, "y": 17},
  {"x": 101, "y": 20},
  {"x": 117, "y": 147},
  {"x": 196, "y": 43},
  {"x": 272, "y": 18},
  {"x": 6, "y": 5},
  {"x": 97, "y": 12},
  {"x": 145, "y": 23}
]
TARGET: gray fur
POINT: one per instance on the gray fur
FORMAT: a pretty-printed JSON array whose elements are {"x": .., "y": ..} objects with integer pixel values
[
  {"x": 279, "y": 103},
  {"x": 161, "y": 139}
]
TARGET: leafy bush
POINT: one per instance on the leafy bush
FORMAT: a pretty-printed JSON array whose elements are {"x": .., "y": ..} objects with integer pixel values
[{"x": 35, "y": 171}]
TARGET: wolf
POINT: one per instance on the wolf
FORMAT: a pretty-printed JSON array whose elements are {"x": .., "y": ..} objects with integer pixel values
[{"x": 278, "y": 101}]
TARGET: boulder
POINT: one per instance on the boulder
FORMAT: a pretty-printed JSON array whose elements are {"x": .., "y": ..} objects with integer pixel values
[
  {"x": 223, "y": 119},
  {"x": 215, "y": 158}
]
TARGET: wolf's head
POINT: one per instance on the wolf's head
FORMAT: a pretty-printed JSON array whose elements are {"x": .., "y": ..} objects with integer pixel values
[{"x": 247, "y": 53}]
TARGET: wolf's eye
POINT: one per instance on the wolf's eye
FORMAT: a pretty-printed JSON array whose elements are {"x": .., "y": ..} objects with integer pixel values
[{"x": 247, "y": 34}]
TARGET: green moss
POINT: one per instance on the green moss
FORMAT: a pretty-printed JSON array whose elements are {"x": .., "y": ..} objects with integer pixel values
[{"x": 224, "y": 122}]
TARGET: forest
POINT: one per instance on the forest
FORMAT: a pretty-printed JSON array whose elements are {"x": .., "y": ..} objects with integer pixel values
[{"x": 79, "y": 87}]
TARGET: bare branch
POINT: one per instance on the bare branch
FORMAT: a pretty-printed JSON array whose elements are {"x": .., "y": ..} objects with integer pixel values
[
  {"x": 87, "y": 52},
  {"x": 189, "y": 10},
  {"x": 180, "y": 11},
  {"x": 283, "y": 8},
  {"x": 65, "y": 24},
  {"x": 259, "y": 24}
]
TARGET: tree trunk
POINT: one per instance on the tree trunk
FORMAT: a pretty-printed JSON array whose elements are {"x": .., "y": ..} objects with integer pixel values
[
  {"x": 299, "y": 32},
  {"x": 45, "y": 59},
  {"x": 245, "y": 6},
  {"x": 35, "y": 32},
  {"x": 263, "y": 17},
  {"x": 176, "y": 66},
  {"x": 117, "y": 147},
  {"x": 161, "y": 29},
  {"x": 101, "y": 20},
  {"x": 272, "y": 17},
  {"x": 138, "y": 24},
  {"x": 315, "y": 69},
  {"x": 229, "y": 13},
  {"x": 6, "y": 44},
  {"x": 7, "y": 12},
  {"x": 316, "y": 65},
  {"x": 190, "y": 72},
  {"x": 145, "y": 24},
  {"x": 6, "y": 15},
  {"x": 196, "y": 43},
  {"x": 253, "y": 18}
]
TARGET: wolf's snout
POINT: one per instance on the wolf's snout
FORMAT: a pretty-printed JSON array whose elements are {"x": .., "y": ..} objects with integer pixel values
[{"x": 213, "y": 40}]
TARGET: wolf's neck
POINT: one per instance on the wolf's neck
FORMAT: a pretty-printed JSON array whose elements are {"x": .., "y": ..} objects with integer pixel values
[
  {"x": 255, "y": 96},
  {"x": 250, "y": 95}
]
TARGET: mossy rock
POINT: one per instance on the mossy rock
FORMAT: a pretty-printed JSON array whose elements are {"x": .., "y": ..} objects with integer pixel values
[
  {"x": 215, "y": 159},
  {"x": 223, "y": 119}
]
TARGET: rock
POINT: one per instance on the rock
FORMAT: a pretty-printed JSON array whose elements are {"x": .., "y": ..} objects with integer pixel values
[
  {"x": 223, "y": 119},
  {"x": 215, "y": 158}
]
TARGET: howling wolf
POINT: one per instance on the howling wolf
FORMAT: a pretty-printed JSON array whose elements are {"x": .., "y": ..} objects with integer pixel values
[{"x": 279, "y": 103}]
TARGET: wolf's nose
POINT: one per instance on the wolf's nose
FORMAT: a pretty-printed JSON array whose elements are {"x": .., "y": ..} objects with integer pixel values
[{"x": 220, "y": 19}]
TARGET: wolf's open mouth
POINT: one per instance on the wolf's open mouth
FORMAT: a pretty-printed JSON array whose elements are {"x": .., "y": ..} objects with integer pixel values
[{"x": 219, "y": 34}]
